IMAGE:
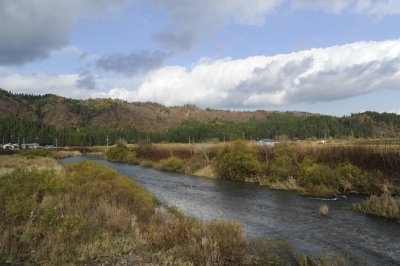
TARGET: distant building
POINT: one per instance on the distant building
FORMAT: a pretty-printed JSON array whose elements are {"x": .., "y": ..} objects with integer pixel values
[
  {"x": 266, "y": 142},
  {"x": 30, "y": 145}
]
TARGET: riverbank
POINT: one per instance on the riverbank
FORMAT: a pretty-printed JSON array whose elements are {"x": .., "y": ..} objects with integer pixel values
[
  {"x": 314, "y": 170},
  {"x": 88, "y": 214}
]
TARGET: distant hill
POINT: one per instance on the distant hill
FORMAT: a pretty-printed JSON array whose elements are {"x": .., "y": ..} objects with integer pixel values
[
  {"x": 50, "y": 118},
  {"x": 66, "y": 113}
]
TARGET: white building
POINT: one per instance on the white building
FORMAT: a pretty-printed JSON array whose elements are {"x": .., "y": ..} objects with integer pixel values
[
  {"x": 30, "y": 145},
  {"x": 266, "y": 142}
]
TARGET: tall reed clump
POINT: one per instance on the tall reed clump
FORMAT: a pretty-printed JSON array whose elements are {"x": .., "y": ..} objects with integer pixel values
[
  {"x": 323, "y": 210},
  {"x": 385, "y": 206}
]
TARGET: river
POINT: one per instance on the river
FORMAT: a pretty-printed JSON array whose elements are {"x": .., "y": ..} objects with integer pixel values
[{"x": 273, "y": 214}]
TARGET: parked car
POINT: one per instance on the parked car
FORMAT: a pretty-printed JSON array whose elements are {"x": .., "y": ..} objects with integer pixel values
[{"x": 10, "y": 146}]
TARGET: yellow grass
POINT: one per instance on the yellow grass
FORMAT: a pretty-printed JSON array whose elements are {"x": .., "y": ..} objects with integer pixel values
[
  {"x": 290, "y": 184},
  {"x": 206, "y": 171},
  {"x": 10, "y": 162},
  {"x": 64, "y": 154},
  {"x": 323, "y": 209}
]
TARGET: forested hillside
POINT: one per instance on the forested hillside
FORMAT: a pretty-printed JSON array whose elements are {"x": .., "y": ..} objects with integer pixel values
[{"x": 51, "y": 119}]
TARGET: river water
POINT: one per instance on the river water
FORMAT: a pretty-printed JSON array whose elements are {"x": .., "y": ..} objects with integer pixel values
[{"x": 273, "y": 214}]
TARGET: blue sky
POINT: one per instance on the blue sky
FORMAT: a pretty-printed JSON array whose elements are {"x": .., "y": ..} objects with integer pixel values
[{"x": 331, "y": 57}]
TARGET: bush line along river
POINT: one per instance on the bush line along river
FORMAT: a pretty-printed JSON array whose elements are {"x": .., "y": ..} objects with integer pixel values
[{"x": 273, "y": 214}]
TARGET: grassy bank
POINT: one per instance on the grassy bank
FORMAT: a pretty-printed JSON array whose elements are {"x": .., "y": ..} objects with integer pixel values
[
  {"x": 310, "y": 169},
  {"x": 86, "y": 214},
  {"x": 316, "y": 170}
]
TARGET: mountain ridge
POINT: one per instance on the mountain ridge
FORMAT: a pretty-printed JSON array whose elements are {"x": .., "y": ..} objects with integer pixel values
[{"x": 64, "y": 113}]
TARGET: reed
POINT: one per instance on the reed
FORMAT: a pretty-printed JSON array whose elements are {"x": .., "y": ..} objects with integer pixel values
[
  {"x": 385, "y": 206},
  {"x": 323, "y": 210}
]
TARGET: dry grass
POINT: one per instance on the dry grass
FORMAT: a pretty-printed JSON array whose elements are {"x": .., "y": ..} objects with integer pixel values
[
  {"x": 206, "y": 171},
  {"x": 88, "y": 215},
  {"x": 65, "y": 154},
  {"x": 383, "y": 206},
  {"x": 84, "y": 213},
  {"x": 290, "y": 184},
  {"x": 10, "y": 162},
  {"x": 323, "y": 210}
]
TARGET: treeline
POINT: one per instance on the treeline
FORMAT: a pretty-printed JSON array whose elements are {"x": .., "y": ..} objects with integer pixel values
[
  {"x": 277, "y": 126},
  {"x": 18, "y": 130}
]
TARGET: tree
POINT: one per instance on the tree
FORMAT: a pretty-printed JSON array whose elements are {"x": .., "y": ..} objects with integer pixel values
[{"x": 237, "y": 162}]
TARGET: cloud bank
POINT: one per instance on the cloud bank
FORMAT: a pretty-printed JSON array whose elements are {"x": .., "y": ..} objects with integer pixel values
[
  {"x": 309, "y": 76},
  {"x": 315, "y": 75}
]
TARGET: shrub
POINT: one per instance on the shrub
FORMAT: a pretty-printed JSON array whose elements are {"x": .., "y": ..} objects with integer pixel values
[
  {"x": 284, "y": 166},
  {"x": 369, "y": 182},
  {"x": 173, "y": 163},
  {"x": 121, "y": 153},
  {"x": 318, "y": 179},
  {"x": 348, "y": 176},
  {"x": 237, "y": 162}
]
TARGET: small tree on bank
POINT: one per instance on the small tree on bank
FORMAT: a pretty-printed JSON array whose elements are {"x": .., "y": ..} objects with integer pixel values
[{"x": 237, "y": 162}]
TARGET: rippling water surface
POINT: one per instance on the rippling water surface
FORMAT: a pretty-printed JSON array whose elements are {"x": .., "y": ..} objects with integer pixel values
[{"x": 274, "y": 214}]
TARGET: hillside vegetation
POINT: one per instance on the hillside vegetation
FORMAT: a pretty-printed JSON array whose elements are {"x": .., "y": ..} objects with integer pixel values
[{"x": 55, "y": 120}]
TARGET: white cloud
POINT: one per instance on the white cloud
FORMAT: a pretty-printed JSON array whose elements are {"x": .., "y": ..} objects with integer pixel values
[
  {"x": 207, "y": 83},
  {"x": 309, "y": 76},
  {"x": 379, "y": 8},
  {"x": 315, "y": 75},
  {"x": 39, "y": 83}
]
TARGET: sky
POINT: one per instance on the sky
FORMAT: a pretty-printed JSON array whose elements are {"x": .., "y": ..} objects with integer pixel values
[{"x": 330, "y": 57}]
